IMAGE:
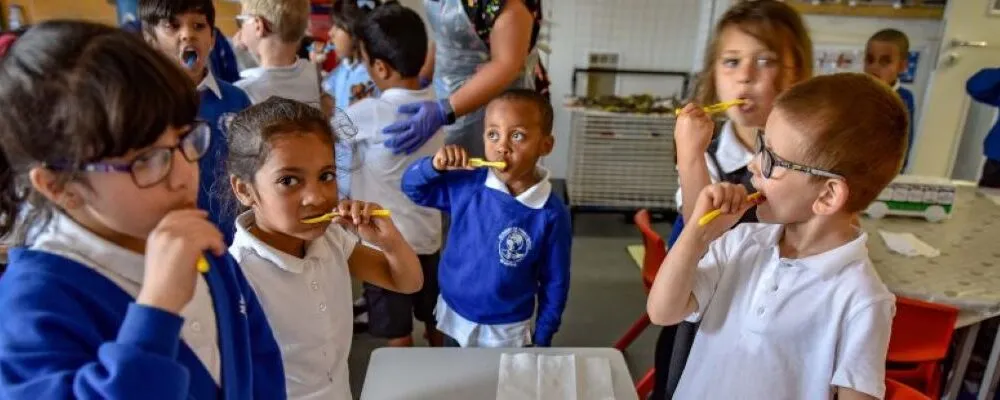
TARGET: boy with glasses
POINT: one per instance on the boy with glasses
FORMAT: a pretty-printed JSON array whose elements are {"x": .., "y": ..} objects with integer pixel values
[{"x": 792, "y": 307}]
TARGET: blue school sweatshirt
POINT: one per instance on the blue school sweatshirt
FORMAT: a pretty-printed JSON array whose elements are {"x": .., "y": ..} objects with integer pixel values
[
  {"x": 500, "y": 253},
  {"x": 984, "y": 86},
  {"x": 907, "y": 96},
  {"x": 68, "y": 332},
  {"x": 217, "y": 112}
]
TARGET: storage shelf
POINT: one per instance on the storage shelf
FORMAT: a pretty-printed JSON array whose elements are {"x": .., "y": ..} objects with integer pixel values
[{"x": 864, "y": 10}]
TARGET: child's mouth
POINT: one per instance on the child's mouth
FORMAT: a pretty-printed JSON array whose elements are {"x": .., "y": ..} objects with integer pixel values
[{"x": 189, "y": 56}]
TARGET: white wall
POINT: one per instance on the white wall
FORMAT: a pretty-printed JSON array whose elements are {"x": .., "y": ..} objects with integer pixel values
[{"x": 647, "y": 34}]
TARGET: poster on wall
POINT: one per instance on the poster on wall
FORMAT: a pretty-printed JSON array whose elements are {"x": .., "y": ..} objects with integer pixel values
[{"x": 127, "y": 10}]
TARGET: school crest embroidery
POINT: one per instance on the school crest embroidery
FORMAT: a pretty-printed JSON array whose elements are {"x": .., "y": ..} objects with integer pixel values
[{"x": 514, "y": 245}]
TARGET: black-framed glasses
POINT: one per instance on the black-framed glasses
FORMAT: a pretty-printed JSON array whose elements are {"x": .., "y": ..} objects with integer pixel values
[
  {"x": 154, "y": 164},
  {"x": 768, "y": 161}
]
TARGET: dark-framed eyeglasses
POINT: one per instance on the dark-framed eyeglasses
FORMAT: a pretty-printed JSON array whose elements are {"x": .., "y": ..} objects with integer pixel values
[
  {"x": 768, "y": 160},
  {"x": 153, "y": 165}
]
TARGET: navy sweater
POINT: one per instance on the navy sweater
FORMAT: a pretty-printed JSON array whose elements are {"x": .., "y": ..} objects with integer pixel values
[
  {"x": 68, "y": 332},
  {"x": 500, "y": 253},
  {"x": 217, "y": 113},
  {"x": 984, "y": 86},
  {"x": 907, "y": 96}
]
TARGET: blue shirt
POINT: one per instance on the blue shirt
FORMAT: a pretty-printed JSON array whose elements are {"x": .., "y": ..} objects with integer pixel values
[
  {"x": 69, "y": 332},
  {"x": 501, "y": 252},
  {"x": 220, "y": 102},
  {"x": 907, "y": 96},
  {"x": 984, "y": 86}
]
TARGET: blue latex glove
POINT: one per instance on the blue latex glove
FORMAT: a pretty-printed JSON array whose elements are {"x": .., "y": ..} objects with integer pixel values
[{"x": 425, "y": 120}]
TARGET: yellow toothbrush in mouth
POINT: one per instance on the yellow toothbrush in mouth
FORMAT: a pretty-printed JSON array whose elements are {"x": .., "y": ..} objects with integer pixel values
[
  {"x": 202, "y": 265},
  {"x": 755, "y": 198},
  {"x": 479, "y": 162},
  {"x": 331, "y": 215},
  {"x": 716, "y": 108}
]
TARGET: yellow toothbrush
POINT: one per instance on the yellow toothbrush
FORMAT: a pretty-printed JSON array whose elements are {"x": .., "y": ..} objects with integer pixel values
[
  {"x": 479, "y": 162},
  {"x": 716, "y": 108},
  {"x": 331, "y": 215},
  {"x": 755, "y": 198},
  {"x": 202, "y": 265}
]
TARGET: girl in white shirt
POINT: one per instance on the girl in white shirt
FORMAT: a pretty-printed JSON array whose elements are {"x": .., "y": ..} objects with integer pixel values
[{"x": 282, "y": 171}]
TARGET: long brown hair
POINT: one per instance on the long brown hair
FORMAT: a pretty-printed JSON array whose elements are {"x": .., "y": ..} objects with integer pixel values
[{"x": 775, "y": 24}]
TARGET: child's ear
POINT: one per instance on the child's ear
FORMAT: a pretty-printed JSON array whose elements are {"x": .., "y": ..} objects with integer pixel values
[
  {"x": 242, "y": 190},
  {"x": 832, "y": 197},
  {"x": 46, "y": 182},
  {"x": 381, "y": 70},
  {"x": 548, "y": 142}
]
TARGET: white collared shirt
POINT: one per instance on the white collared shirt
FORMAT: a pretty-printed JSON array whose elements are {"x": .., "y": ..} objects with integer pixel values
[
  {"x": 518, "y": 334},
  {"x": 731, "y": 153},
  {"x": 308, "y": 304},
  {"x": 299, "y": 82},
  {"x": 64, "y": 237},
  {"x": 780, "y": 328},
  {"x": 210, "y": 83},
  {"x": 379, "y": 173}
]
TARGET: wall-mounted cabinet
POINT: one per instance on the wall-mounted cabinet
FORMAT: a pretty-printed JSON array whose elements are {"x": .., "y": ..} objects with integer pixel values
[{"x": 922, "y": 9}]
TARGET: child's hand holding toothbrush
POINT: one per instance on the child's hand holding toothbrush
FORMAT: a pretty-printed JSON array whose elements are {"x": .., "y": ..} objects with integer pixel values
[{"x": 364, "y": 218}]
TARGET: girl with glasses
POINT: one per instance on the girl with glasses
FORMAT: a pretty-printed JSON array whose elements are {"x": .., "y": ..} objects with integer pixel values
[{"x": 100, "y": 147}]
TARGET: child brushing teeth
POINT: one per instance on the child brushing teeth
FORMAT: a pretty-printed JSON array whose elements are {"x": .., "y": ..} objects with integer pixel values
[{"x": 182, "y": 29}]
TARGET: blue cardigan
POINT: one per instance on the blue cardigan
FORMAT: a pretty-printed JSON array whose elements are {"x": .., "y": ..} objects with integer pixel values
[
  {"x": 217, "y": 113},
  {"x": 984, "y": 86},
  {"x": 68, "y": 332}
]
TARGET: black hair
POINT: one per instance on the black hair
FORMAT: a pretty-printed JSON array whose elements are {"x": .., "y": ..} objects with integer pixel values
[
  {"x": 151, "y": 12},
  {"x": 896, "y": 37},
  {"x": 396, "y": 35},
  {"x": 347, "y": 14},
  {"x": 74, "y": 92},
  {"x": 250, "y": 134},
  {"x": 538, "y": 100}
]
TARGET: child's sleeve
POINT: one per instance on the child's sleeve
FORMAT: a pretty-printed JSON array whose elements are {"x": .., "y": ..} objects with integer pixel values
[
  {"x": 554, "y": 280},
  {"x": 712, "y": 266},
  {"x": 425, "y": 186},
  {"x": 49, "y": 349},
  {"x": 268, "y": 371},
  {"x": 862, "y": 347},
  {"x": 984, "y": 86}
]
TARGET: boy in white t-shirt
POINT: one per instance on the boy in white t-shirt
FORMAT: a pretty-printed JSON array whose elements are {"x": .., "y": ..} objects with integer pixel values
[
  {"x": 792, "y": 308},
  {"x": 272, "y": 30},
  {"x": 393, "y": 46}
]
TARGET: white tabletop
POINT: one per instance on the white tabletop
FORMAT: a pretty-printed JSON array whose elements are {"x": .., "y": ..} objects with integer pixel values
[
  {"x": 966, "y": 274},
  {"x": 463, "y": 374}
]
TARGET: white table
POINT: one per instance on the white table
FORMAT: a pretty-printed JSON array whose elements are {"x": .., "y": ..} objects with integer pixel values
[
  {"x": 966, "y": 275},
  {"x": 464, "y": 374}
]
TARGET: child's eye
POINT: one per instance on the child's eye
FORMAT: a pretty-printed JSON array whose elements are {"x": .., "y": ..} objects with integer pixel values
[
  {"x": 518, "y": 136},
  {"x": 765, "y": 61},
  {"x": 493, "y": 135},
  {"x": 288, "y": 181},
  {"x": 730, "y": 62},
  {"x": 200, "y": 26},
  {"x": 328, "y": 176}
]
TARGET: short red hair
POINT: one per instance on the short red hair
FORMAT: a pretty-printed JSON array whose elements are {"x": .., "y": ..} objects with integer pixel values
[{"x": 857, "y": 127}]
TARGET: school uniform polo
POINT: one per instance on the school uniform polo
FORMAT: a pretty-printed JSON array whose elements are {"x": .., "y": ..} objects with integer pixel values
[
  {"x": 907, "y": 96},
  {"x": 309, "y": 305},
  {"x": 777, "y": 328},
  {"x": 299, "y": 81}
]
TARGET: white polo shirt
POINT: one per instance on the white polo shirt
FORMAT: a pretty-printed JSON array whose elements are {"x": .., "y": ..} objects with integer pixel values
[
  {"x": 308, "y": 304},
  {"x": 732, "y": 155},
  {"x": 64, "y": 237},
  {"x": 775, "y": 328},
  {"x": 379, "y": 175},
  {"x": 299, "y": 82}
]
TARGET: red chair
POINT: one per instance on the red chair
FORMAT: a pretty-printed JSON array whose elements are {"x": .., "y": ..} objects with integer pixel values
[
  {"x": 645, "y": 385},
  {"x": 656, "y": 252},
  {"x": 921, "y": 333},
  {"x": 898, "y": 391}
]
